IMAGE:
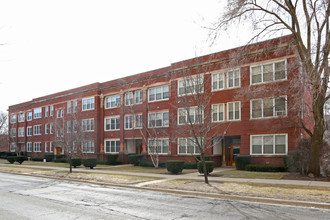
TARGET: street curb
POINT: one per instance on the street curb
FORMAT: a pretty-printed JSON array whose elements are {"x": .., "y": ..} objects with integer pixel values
[{"x": 192, "y": 193}]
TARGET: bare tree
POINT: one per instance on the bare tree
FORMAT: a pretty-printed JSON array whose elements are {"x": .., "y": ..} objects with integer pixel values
[
  {"x": 308, "y": 22},
  {"x": 3, "y": 123}
]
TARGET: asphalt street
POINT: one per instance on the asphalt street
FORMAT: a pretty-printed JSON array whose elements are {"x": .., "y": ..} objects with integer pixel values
[{"x": 25, "y": 197}]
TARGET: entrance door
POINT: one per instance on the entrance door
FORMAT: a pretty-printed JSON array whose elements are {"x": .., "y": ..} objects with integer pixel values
[
  {"x": 232, "y": 151},
  {"x": 58, "y": 151}
]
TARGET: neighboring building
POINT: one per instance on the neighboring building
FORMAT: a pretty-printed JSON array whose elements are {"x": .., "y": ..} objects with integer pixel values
[
  {"x": 4, "y": 143},
  {"x": 253, "y": 93}
]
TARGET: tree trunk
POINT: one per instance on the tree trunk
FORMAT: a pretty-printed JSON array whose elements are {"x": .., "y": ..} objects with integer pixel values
[
  {"x": 70, "y": 162},
  {"x": 206, "y": 179}
]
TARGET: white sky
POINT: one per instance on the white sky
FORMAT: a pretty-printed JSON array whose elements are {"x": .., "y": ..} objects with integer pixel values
[{"x": 51, "y": 46}]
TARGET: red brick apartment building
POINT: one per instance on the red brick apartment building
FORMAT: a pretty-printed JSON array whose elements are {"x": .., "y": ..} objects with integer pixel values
[{"x": 255, "y": 96}]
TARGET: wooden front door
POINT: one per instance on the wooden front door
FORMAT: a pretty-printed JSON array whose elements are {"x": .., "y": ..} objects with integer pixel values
[
  {"x": 232, "y": 151},
  {"x": 58, "y": 151}
]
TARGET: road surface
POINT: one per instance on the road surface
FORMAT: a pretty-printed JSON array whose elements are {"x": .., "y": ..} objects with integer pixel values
[{"x": 24, "y": 197}]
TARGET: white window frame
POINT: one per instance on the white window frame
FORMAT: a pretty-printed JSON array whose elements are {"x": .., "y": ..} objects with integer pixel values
[
  {"x": 37, "y": 130},
  {"x": 186, "y": 112},
  {"x": 46, "y": 147},
  {"x": 75, "y": 105},
  {"x": 262, "y": 71},
  {"x": 13, "y": 118},
  {"x": 21, "y": 117},
  {"x": 21, "y": 131},
  {"x": 88, "y": 125},
  {"x": 195, "y": 82},
  {"x": 111, "y": 141},
  {"x": 29, "y": 116},
  {"x": 46, "y": 111},
  {"x": 161, "y": 147},
  {"x": 136, "y": 124},
  {"x": 109, "y": 100},
  {"x": 110, "y": 124},
  {"x": 51, "y": 128},
  {"x": 262, "y": 143},
  {"x": 51, "y": 147},
  {"x": 89, "y": 148},
  {"x": 29, "y": 131},
  {"x": 13, "y": 132},
  {"x": 165, "y": 123},
  {"x": 37, "y": 113},
  {"x": 69, "y": 107},
  {"x": 37, "y": 147},
  {"x": 125, "y": 122},
  {"x": 51, "y": 112},
  {"x": 234, "y": 108},
  {"x": 138, "y": 99},
  {"x": 274, "y": 108},
  {"x": 129, "y": 98},
  {"x": 46, "y": 129},
  {"x": 218, "y": 112},
  {"x": 88, "y": 103},
  {"x": 216, "y": 78},
  {"x": 162, "y": 93},
  {"x": 68, "y": 127},
  {"x": 196, "y": 150},
  {"x": 29, "y": 147},
  {"x": 12, "y": 147}
]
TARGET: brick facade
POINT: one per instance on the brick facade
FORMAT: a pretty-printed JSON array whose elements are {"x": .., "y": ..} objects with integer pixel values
[{"x": 280, "y": 129}]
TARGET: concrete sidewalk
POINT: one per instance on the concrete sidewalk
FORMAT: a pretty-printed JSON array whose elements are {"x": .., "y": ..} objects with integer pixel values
[{"x": 191, "y": 176}]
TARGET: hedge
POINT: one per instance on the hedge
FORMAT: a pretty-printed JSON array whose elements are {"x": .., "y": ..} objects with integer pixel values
[
  {"x": 11, "y": 159},
  {"x": 61, "y": 160},
  {"x": 135, "y": 159},
  {"x": 90, "y": 162},
  {"x": 190, "y": 166},
  {"x": 265, "y": 168},
  {"x": 174, "y": 166},
  {"x": 20, "y": 159},
  {"x": 49, "y": 157},
  {"x": 150, "y": 164},
  {"x": 241, "y": 161},
  {"x": 112, "y": 159},
  {"x": 198, "y": 158},
  {"x": 76, "y": 162},
  {"x": 209, "y": 167},
  {"x": 37, "y": 158}
]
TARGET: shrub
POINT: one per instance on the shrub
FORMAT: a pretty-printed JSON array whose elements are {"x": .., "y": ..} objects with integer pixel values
[
  {"x": 101, "y": 162},
  {"x": 37, "y": 158},
  {"x": 49, "y": 157},
  {"x": 6, "y": 154},
  {"x": 90, "y": 162},
  {"x": 265, "y": 168},
  {"x": 150, "y": 164},
  {"x": 198, "y": 158},
  {"x": 59, "y": 156},
  {"x": 112, "y": 159},
  {"x": 20, "y": 159},
  {"x": 135, "y": 159},
  {"x": 11, "y": 159},
  {"x": 209, "y": 167},
  {"x": 76, "y": 162},
  {"x": 61, "y": 160},
  {"x": 190, "y": 166},
  {"x": 241, "y": 161},
  {"x": 174, "y": 166}
]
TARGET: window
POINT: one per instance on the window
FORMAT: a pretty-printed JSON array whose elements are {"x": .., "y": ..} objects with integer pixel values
[
  {"x": 29, "y": 131},
  {"x": 268, "y": 107},
  {"x": 158, "y": 119},
  {"x": 158, "y": 93},
  {"x": 158, "y": 146},
  {"x": 269, "y": 144},
  {"x": 37, "y": 130},
  {"x": 12, "y": 147},
  {"x": 112, "y": 101},
  {"x": 218, "y": 80},
  {"x": 218, "y": 112},
  {"x": 37, "y": 147},
  {"x": 29, "y": 147},
  {"x": 138, "y": 96},
  {"x": 138, "y": 121},
  {"x": 75, "y": 106},
  {"x": 191, "y": 85},
  {"x": 191, "y": 115},
  {"x": 46, "y": 146},
  {"x": 21, "y": 132},
  {"x": 112, "y": 123},
  {"x": 51, "y": 128},
  {"x": 75, "y": 126},
  {"x": 232, "y": 79},
  {"x": 112, "y": 146},
  {"x": 21, "y": 117},
  {"x": 29, "y": 116},
  {"x": 13, "y": 132},
  {"x": 88, "y": 124},
  {"x": 46, "y": 111},
  {"x": 59, "y": 133},
  {"x": 128, "y": 121},
  {"x": 68, "y": 127},
  {"x": 234, "y": 111},
  {"x": 187, "y": 146},
  {"x": 59, "y": 113},
  {"x": 51, "y": 110},
  {"x": 268, "y": 72},
  {"x": 88, "y": 104},
  {"x": 37, "y": 113},
  {"x": 13, "y": 119},
  {"x": 129, "y": 98},
  {"x": 68, "y": 107},
  {"x": 51, "y": 148},
  {"x": 88, "y": 146},
  {"x": 46, "y": 129}
]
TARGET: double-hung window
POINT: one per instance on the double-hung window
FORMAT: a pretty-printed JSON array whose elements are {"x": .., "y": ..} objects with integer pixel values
[
  {"x": 88, "y": 146},
  {"x": 46, "y": 111},
  {"x": 21, "y": 132},
  {"x": 46, "y": 147},
  {"x": 158, "y": 119},
  {"x": 229, "y": 79},
  {"x": 88, "y": 124},
  {"x": 69, "y": 107},
  {"x": 88, "y": 104},
  {"x": 46, "y": 129},
  {"x": 29, "y": 116},
  {"x": 21, "y": 117},
  {"x": 37, "y": 129},
  {"x": 13, "y": 118},
  {"x": 129, "y": 98},
  {"x": 218, "y": 112},
  {"x": 191, "y": 115},
  {"x": 158, "y": 93},
  {"x": 75, "y": 106},
  {"x": 68, "y": 127},
  {"x": 269, "y": 144},
  {"x": 29, "y": 131},
  {"x": 37, "y": 147},
  {"x": 51, "y": 110},
  {"x": 188, "y": 145},
  {"x": 138, "y": 96},
  {"x": 13, "y": 132},
  {"x": 158, "y": 146},
  {"x": 29, "y": 147},
  {"x": 268, "y": 107},
  {"x": 112, "y": 101},
  {"x": 112, "y": 124},
  {"x": 128, "y": 121},
  {"x": 138, "y": 121},
  {"x": 234, "y": 111},
  {"x": 191, "y": 85},
  {"x": 268, "y": 72},
  {"x": 112, "y": 146},
  {"x": 37, "y": 113}
]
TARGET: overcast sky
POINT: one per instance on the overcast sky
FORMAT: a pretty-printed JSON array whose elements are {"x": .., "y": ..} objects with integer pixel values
[{"x": 51, "y": 46}]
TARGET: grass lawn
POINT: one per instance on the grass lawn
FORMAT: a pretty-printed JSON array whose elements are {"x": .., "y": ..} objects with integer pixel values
[
  {"x": 139, "y": 169},
  {"x": 250, "y": 174}
]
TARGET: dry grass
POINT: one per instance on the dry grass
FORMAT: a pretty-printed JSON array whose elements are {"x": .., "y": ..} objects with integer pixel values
[
  {"x": 18, "y": 169},
  {"x": 250, "y": 174},
  {"x": 138, "y": 169}
]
